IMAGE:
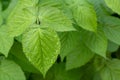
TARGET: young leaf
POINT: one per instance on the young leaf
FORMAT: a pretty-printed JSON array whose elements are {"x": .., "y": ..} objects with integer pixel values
[
  {"x": 112, "y": 28},
  {"x": 55, "y": 20},
  {"x": 41, "y": 47},
  {"x": 79, "y": 56},
  {"x": 10, "y": 71},
  {"x": 97, "y": 42},
  {"x": 25, "y": 17},
  {"x": 19, "y": 20},
  {"x": 84, "y": 14},
  {"x": 5, "y": 41},
  {"x": 114, "y": 5}
]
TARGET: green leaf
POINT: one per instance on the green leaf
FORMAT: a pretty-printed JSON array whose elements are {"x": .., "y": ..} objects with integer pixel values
[
  {"x": 52, "y": 3},
  {"x": 25, "y": 17},
  {"x": 16, "y": 54},
  {"x": 114, "y": 5},
  {"x": 9, "y": 9},
  {"x": 10, "y": 71},
  {"x": 55, "y": 20},
  {"x": 1, "y": 20},
  {"x": 110, "y": 70},
  {"x": 112, "y": 28},
  {"x": 19, "y": 38},
  {"x": 58, "y": 72},
  {"x": 97, "y": 42},
  {"x": 5, "y": 4},
  {"x": 112, "y": 47},
  {"x": 79, "y": 56},
  {"x": 84, "y": 14},
  {"x": 5, "y": 41},
  {"x": 28, "y": 3},
  {"x": 19, "y": 20},
  {"x": 101, "y": 8},
  {"x": 69, "y": 40},
  {"x": 60, "y": 4},
  {"x": 41, "y": 48}
]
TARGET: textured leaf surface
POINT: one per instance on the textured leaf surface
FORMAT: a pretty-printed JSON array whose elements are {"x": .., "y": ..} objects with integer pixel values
[
  {"x": 110, "y": 70},
  {"x": 79, "y": 56},
  {"x": 101, "y": 8},
  {"x": 52, "y": 3},
  {"x": 28, "y": 15},
  {"x": 84, "y": 14},
  {"x": 54, "y": 19},
  {"x": 10, "y": 71},
  {"x": 28, "y": 3},
  {"x": 69, "y": 40},
  {"x": 114, "y": 5},
  {"x": 22, "y": 17},
  {"x": 41, "y": 48},
  {"x": 97, "y": 42},
  {"x": 19, "y": 20},
  {"x": 112, "y": 28},
  {"x": 5, "y": 41}
]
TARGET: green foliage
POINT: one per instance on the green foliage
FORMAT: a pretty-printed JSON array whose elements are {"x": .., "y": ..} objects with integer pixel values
[
  {"x": 10, "y": 71},
  {"x": 114, "y": 5},
  {"x": 112, "y": 26},
  {"x": 38, "y": 48},
  {"x": 5, "y": 41},
  {"x": 86, "y": 13},
  {"x": 79, "y": 56},
  {"x": 109, "y": 69},
  {"x": 97, "y": 42},
  {"x": 59, "y": 40}
]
